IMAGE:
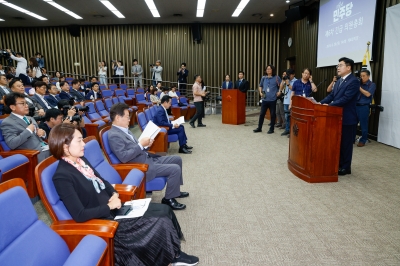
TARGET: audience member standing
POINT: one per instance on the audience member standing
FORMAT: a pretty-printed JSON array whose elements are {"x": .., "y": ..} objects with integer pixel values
[
  {"x": 40, "y": 59},
  {"x": 268, "y": 88},
  {"x": 304, "y": 86},
  {"x": 286, "y": 90},
  {"x": 34, "y": 66},
  {"x": 118, "y": 67},
  {"x": 182, "y": 79},
  {"x": 22, "y": 65},
  {"x": 137, "y": 74},
  {"x": 345, "y": 94},
  {"x": 367, "y": 90},
  {"x": 227, "y": 83},
  {"x": 198, "y": 93},
  {"x": 156, "y": 72},
  {"x": 102, "y": 72}
]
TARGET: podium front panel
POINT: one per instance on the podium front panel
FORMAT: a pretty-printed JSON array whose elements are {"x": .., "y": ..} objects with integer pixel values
[{"x": 233, "y": 107}]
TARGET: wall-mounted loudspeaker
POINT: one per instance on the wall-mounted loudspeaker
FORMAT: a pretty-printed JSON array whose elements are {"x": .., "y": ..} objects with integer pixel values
[
  {"x": 74, "y": 30},
  {"x": 296, "y": 13},
  {"x": 196, "y": 32}
]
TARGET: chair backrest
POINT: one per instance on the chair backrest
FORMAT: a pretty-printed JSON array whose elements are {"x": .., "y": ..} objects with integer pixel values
[
  {"x": 140, "y": 90},
  {"x": 174, "y": 102},
  {"x": 121, "y": 99},
  {"x": 183, "y": 100},
  {"x": 153, "y": 110},
  {"x": 107, "y": 93},
  {"x": 148, "y": 114},
  {"x": 92, "y": 113},
  {"x": 3, "y": 144},
  {"x": 25, "y": 240},
  {"x": 101, "y": 108},
  {"x": 69, "y": 79},
  {"x": 142, "y": 120},
  {"x": 106, "y": 146},
  {"x": 123, "y": 86},
  {"x": 44, "y": 173},
  {"x": 108, "y": 102},
  {"x": 119, "y": 93},
  {"x": 140, "y": 98},
  {"x": 178, "y": 93},
  {"x": 115, "y": 100},
  {"x": 130, "y": 92},
  {"x": 94, "y": 155},
  {"x": 159, "y": 93},
  {"x": 113, "y": 87},
  {"x": 102, "y": 87}
]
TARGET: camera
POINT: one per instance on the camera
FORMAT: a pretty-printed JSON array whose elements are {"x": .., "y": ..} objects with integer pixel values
[
  {"x": 77, "y": 118},
  {"x": 285, "y": 77},
  {"x": 6, "y": 55}
]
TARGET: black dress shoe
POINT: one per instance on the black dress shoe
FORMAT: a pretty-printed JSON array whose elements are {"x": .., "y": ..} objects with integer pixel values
[
  {"x": 257, "y": 130},
  {"x": 192, "y": 124},
  {"x": 184, "y": 150},
  {"x": 270, "y": 131},
  {"x": 173, "y": 204},
  {"x": 285, "y": 133},
  {"x": 201, "y": 125},
  {"x": 343, "y": 171},
  {"x": 187, "y": 147},
  {"x": 184, "y": 195}
]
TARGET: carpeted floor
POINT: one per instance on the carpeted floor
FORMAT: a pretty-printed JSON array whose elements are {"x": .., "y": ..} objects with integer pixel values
[{"x": 247, "y": 208}]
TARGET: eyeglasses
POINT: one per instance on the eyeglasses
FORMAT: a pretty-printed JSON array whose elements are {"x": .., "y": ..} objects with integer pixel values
[
  {"x": 340, "y": 65},
  {"x": 23, "y": 103}
]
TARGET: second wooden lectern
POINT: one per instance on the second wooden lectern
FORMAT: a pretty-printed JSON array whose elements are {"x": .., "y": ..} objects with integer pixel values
[
  {"x": 315, "y": 135},
  {"x": 233, "y": 107}
]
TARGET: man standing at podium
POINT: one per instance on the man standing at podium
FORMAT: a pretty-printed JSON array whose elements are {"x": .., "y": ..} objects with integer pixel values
[
  {"x": 242, "y": 84},
  {"x": 345, "y": 94}
]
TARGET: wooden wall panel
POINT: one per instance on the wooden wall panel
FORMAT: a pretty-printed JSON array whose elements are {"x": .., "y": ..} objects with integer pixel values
[
  {"x": 225, "y": 48},
  {"x": 305, "y": 33}
]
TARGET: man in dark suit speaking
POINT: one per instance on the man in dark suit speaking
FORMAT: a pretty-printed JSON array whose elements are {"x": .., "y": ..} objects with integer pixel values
[
  {"x": 242, "y": 84},
  {"x": 345, "y": 94},
  {"x": 129, "y": 149},
  {"x": 161, "y": 119}
]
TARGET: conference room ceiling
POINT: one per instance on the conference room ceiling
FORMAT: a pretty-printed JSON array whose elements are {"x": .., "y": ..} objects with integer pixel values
[{"x": 136, "y": 12}]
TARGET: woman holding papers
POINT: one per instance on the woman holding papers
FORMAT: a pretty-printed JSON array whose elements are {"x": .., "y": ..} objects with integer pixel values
[
  {"x": 153, "y": 239},
  {"x": 161, "y": 119}
]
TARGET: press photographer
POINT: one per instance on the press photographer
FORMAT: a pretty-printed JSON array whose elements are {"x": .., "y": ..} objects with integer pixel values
[
  {"x": 52, "y": 118},
  {"x": 73, "y": 114},
  {"x": 21, "y": 65},
  {"x": 286, "y": 91}
]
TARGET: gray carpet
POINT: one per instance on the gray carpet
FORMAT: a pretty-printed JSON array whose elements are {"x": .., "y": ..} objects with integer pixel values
[{"x": 247, "y": 208}]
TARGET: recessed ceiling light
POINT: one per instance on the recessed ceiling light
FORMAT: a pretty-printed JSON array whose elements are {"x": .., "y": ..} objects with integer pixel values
[
  {"x": 112, "y": 8},
  {"x": 153, "y": 8},
  {"x": 287, "y": 1},
  {"x": 72, "y": 14},
  {"x": 272, "y": 15},
  {"x": 20, "y": 9},
  {"x": 201, "y": 5},
  {"x": 2, "y": 19},
  {"x": 240, "y": 8}
]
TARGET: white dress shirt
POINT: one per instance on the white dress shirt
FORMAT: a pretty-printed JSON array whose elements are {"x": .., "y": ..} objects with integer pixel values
[{"x": 21, "y": 65}]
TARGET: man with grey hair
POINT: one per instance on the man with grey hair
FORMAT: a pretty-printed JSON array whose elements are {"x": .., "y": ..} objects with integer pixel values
[{"x": 156, "y": 71}]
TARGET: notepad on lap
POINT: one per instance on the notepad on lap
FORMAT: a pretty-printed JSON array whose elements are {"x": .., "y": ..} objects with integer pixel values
[
  {"x": 179, "y": 121},
  {"x": 151, "y": 130}
]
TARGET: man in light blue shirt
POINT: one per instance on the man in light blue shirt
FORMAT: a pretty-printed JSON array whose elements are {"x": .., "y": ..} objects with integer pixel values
[{"x": 286, "y": 89}]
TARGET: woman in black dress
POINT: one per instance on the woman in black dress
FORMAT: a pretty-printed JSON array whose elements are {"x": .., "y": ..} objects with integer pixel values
[{"x": 153, "y": 239}]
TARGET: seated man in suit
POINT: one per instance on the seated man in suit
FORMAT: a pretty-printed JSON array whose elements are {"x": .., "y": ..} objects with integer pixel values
[
  {"x": 79, "y": 96},
  {"x": 3, "y": 91},
  {"x": 161, "y": 119},
  {"x": 130, "y": 150},
  {"x": 95, "y": 93},
  {"x": 82, "y": 86},
  {"x": 16, "y": 85},
  {"x": 65, "y": 93},
  {"x": 20, "y": 131},
  {"x": 53, "y": 97},
  {"x": 40, "y": 91}
]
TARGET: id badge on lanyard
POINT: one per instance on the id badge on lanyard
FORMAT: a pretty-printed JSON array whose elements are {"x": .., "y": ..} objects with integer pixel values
[{"x": 267, "y": 89}]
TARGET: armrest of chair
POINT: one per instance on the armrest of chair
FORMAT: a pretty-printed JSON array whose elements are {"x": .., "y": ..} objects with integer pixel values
[
  {"x": 28, "y": 153},
  {"x": 126, "y": 192},
  {"x": 124, "y": 169},
  {"x": 97, "y": 227},
  {"x": 81, "y": 256}
]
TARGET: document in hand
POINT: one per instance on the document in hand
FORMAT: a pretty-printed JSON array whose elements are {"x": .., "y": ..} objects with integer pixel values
[
  {"x": 139, "y": 207},
  {"x": 151, "y": 130},
  {"x": 179, "y": 121}
]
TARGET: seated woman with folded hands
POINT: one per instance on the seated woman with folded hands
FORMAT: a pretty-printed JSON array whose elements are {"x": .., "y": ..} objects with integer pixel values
[{"x": 153, "y": 239}]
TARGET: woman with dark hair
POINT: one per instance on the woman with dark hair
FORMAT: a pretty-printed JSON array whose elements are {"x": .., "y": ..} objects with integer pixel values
[
  {"x": 153, "y": 96},
  {"x": 102, "y": 72},
  {"x": 269, "y": 90},
  {"x": 153, "y": 239},
  {"x": 227, "y": 84},
  {"x": 34, "y": 66},
  {"x": 56, "y": 76}
]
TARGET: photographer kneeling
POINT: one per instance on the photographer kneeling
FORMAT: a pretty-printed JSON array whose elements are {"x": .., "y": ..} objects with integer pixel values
[
  {"x": 72, "y": 114},
  {"x": 54, "y": 117}
]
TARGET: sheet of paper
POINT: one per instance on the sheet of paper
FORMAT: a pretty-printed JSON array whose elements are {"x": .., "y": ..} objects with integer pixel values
[
  {"x": 179, "y": 121},
  {"x": 151, "y": 130},
  {"x": 139, "y": 207}
]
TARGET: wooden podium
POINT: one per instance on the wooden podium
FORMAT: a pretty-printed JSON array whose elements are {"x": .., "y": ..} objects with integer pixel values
[
  {"x": 233, "y": 107},
  {"x": 315, "y": 135}
]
